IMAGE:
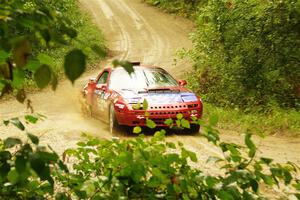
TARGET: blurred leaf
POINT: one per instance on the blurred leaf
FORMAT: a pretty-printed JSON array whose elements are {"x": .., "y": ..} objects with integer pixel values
[
  {"x": 266, "y": 160},
  {"x": 213, "y": 120},
  {"x": 21, "y": 51},
  {"x": 71, "y": 32},
  {"x": 179, "y": 116},
  {"x": 18, "y": 78},
  {"x": 13, "y": 176},
  {"x": 185, "y": 123},
  {"x": 125, "y": 64},
  {"x": 169, "y": 121},
  {"x": 224, "y": 195},
  {"x": 21, "y": 96},
  {"x": 33, "y": 65},
  {"x": 42, "y": 76},
  {"x": 17, "y": 123},
  {"x": 11, "y": 142},
  {"x": 31, "y": 119},
  {"x": 145, "y": 104},
  {"x": 45, "y": 59},
  {"x": 101, "y": 52},
  {"x": 213, "y": 159},
  {"x": 3, "y": 56},
  {"x": 74, "y": 65},
  {"x": 54, "y": 82},
  {"x": 137, "y": 129},
  {"x": 250, "y": 145},
  {"x": 34, "y": 139},
  {"x": 151, "y": 124},
  {"x": 20, "y": 164}
]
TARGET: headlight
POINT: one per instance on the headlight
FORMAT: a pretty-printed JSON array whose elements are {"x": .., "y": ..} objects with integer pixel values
[
  {"x": 189, "y": 98},
  {"x": 119, "y": 105}
]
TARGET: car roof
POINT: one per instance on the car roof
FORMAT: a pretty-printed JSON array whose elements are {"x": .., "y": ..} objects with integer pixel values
[{"x": 135, "y": 67}]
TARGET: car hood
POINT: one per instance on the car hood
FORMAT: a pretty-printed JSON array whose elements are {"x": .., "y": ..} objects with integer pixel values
[{"x": 158, "y": 95}]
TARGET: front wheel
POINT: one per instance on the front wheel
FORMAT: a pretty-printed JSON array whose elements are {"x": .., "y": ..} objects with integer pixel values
[
  {"x": 113, "y": 122},
  {"x": 194, "y": 129}
]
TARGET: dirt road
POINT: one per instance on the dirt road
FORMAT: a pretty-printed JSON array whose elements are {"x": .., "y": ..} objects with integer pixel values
[{"x": 135, "y": 32}]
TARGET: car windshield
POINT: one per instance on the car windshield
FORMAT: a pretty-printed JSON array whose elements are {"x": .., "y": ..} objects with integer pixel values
[{"x": 140, "y": 79}]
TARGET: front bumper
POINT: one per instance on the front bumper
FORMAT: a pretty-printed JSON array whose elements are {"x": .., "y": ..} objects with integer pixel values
[{"x": 159, "y": 113}]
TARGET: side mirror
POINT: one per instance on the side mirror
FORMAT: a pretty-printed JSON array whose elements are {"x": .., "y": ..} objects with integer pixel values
[
  {"x": 182, "y": 82},
  {"x": 102, "y": 87}
]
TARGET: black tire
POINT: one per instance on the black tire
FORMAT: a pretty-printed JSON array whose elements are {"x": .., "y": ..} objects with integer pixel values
[
  {"x": 113, "y": 122},
  {"x": 195, "y": 129}
]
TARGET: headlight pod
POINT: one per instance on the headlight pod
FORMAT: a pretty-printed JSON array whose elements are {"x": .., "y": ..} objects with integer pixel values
[
  {"x": 120, "y": 105},
  {"x": 132, "y": 100},
  {"x": 189, "y": 98}
]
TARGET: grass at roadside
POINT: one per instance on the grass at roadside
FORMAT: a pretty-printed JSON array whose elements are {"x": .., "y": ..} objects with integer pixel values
[{"x": 276, "y": 122}]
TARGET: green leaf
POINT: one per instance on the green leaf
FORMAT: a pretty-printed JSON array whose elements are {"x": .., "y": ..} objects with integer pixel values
[
  {"x": 101, "y": 52},
  {"x": 213, "y": 120},
  {"x": 6, "y": 122},
  {"x": 169, "y": 121},
  {"x": 71, "y": 32},
  {"x": 193, "y": 156},
  {"x": 45, "y": 59},
  {"x": 33, "y": 65},
  {"x": 266, "y": 160},
  {"x": 21, "y": 96},
  {"x": 16, "y": 122},
  {"x": 42, "y": 76},
  {"x": 13, "y": 176},
  {"x": 211, "y": 181},
  {"x": 136, "y": 106},
  {"x": 34, "y": 139},
  {"x": 31, "y": 119},
  {"x": 250, "y": 145},
  {"x": 145, "y": 104},
  {"x": 47, "y": 156},
  {"x": 18, "y": 78},
  {"x": 125, "y": 64},
  {"x": 254, "y": 185},
  {"x": 11, "y": 142},
  {"x": 20, "y": 164},
  {"x": 224, "y": 195},
  {"x": 75, "y": 63},
  {"x": 151, "y": 124},
  {"x": 297, "y": 186},
  {"x": 137, "y": 129},
  {"x": 185, "y": 123},
  {"x": 179, "y": 116},
  {"x": 3, "y": 56},
  {"x": 21, "y": 50},
  {"x": 213, "y": 159},
  {"x": 54, "y": 82}
]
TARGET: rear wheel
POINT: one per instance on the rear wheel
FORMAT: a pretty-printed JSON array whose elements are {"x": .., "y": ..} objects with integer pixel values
[{"x": 113, "y": 122}]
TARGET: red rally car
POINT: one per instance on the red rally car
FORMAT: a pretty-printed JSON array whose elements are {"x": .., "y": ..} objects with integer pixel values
[{"x": 114, "y": 95}]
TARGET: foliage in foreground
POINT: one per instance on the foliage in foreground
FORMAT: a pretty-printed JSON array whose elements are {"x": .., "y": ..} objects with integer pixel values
[
  {"x": 26, "y": 28},
  {"x": 140, "y": 168}
]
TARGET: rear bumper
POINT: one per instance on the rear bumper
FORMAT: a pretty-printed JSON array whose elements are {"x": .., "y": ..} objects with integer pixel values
[{"x": 159, "y": 113}]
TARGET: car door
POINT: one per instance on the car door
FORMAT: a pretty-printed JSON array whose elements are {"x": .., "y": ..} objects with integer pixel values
[{"x": 101, "y": 94}]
